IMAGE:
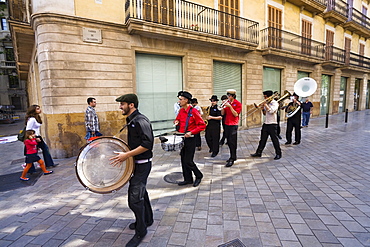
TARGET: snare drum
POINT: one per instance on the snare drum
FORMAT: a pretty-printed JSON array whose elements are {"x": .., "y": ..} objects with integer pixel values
[
  {"x": 174, "y": 143},
  {"x": 93, "y": 168}
]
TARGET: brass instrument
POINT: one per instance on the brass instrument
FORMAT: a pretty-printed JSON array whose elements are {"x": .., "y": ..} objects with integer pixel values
[
  {"x": 222, "y": 106},
  {"x": 267, "y": 100},
  {"x": 206, "y": 114}
]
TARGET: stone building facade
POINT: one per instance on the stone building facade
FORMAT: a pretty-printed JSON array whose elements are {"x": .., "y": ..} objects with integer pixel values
[{"x": 71, "y": 50}]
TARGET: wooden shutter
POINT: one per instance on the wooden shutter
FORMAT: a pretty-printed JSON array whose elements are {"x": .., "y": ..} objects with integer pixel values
[
  {"x": 347, "y": 48},
  {"x": 229, "y": 18},
  {"x": 306, "y": 37},
  {"x": 329, "y": 45},
  {"x": 275, "y": 25}
]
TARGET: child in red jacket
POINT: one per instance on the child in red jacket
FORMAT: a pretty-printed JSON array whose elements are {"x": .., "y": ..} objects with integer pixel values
[{"x": 31, "y": 155}]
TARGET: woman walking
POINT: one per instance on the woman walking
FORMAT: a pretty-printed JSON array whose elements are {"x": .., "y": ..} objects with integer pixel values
[{"x": 33, "y": 122}]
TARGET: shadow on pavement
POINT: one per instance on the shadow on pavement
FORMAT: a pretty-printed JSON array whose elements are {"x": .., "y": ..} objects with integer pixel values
[{"x": 11, "y": 181}]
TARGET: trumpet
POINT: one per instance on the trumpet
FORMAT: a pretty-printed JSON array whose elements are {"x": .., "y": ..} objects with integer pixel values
[
  {"x": 223, "y": 104},
  {"x": 206, "y": 114}
]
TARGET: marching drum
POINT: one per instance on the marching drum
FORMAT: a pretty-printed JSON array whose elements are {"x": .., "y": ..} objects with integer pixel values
[
  {"x": 172, "y": 143},
  {"x": 93, "y": 167}
]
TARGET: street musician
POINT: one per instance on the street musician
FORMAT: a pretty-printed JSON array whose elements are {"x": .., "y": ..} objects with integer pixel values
[
  {"x": 269, "y": 128},
  {"x": 294, "y": 121},
  {"x": 213, "y": 128},
  {"x": 231, "y": 111}
]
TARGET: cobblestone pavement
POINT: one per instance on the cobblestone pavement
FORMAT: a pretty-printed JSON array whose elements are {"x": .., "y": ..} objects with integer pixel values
[{"x": 318, "y": 194}]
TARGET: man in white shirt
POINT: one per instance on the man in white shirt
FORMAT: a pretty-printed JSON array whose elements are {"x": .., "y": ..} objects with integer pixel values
[{"x": 269, "y": 127}]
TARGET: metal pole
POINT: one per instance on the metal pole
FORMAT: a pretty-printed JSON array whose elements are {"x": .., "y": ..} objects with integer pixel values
[
  {"x": 346, "y": 116},
  {"x": 327, "y": 120}
]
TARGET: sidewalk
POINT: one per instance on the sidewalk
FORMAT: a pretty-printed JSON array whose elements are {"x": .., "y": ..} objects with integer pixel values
[{"x": 318, "y": 194}]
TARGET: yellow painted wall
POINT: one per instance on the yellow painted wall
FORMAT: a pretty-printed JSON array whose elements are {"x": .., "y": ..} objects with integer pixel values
[{"x": 109, "y": 10}]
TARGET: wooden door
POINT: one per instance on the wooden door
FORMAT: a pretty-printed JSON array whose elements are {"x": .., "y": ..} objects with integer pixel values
[
  {"x": 306, "y": 37},
  {"x": 229, "y": 18},
  {"x": 329, "y": 45},
  {"x": 275, "y": 26}
]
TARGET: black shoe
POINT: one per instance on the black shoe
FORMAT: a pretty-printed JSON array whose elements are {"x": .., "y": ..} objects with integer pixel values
[
  {"x": 279, "y": 136},
  {"x": 256, "y": 155},
  {"x": 199, "y": 148},
  {"x": 135, "y": 241},
  {"x": 213, "y": 155},
  {"x": 287, "y": 143},
  {"x": 277, "y": 157},
  {"x": 210, "y": 151},
  {"x": 229, "y": 163},
  {"x": 197, "y": 182},
  {"x": 296, "y": 143},
  {"x": 184, "y": 183},
  {"x": 55, "y": 165},
  {"x": 132, "y": 226}
]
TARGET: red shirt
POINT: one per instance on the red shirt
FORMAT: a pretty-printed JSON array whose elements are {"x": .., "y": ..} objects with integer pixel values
[
  {"x": 31, "y": 146},
  {"x": 196, "y": 123},
  {"x": 230, "y": 119}
]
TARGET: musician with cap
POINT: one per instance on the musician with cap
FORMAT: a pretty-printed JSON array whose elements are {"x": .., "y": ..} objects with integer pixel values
[
  {"x": 231, "y": 112},
  {"x": 213, "y": 128},
  {"x": 294, "y": 121},
  {"x": 140, "y": 140},
  {"x": 269, "y": 127},
  {"x": 190, "y": 123}
]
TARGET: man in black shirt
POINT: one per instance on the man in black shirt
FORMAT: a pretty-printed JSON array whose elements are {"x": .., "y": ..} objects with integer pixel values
[
  {"x": 213, "y": 128},
  {"x": 294, "y": 121},
  {"x": 140, "y": 140}
]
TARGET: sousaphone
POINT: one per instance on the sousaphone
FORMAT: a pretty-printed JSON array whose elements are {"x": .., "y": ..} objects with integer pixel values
[{"x": 304, "y": 87}]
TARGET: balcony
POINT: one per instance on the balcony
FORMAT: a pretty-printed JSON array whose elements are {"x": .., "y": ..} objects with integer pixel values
[
  {"x": 334, "y": 56},
  {"x": 314, "y": 6},
  {"x": 190, "y": 22},
  {"x": 282, "y": 43},
  {"x": 22, "y": 34},
  {"x": 358, "y": 23},
  {"x": 336, "y": 12},
  {"x": 357, "y": 60},
  {"x": 7, "y": 64}
]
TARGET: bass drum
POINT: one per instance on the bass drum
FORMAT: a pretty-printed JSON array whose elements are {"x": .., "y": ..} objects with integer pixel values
[{"x": 93, "y": 167}]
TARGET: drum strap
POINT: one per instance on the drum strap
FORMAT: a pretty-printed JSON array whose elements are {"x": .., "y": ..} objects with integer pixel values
[
  {"x": 187, "y": 120},
  {"x": 124, "y": 126}
]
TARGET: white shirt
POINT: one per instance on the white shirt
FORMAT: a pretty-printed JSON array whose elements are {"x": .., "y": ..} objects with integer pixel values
[
  {"x": 271, "y": 116},
  {"x": 32, "y": 124}
]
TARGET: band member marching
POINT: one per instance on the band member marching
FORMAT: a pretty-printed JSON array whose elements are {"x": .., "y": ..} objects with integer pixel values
[
  {"x": 190, "y": 123},
  {"x": 231, "y": 111},
  {"x": 213, "y": 128},
  {"x": 140, "y": 140},
  {"x": 294, "y": 121},
  {"x": 269, "y": 127}
]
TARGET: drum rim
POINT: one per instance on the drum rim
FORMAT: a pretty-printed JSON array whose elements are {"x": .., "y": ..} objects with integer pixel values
[{"x": 129, "y": 169}]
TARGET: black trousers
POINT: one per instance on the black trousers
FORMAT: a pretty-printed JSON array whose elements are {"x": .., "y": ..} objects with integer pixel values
[
  {"x": 198, "y": 140},
  {"x": 212, "y": 138},
  {"x": 231, "y": 133},
  {"x": 138, "y": 199},
  {"x": 187, "y": 163},
  {"x": 266, "y": 131},
  {"x": 296, "y": 125}
]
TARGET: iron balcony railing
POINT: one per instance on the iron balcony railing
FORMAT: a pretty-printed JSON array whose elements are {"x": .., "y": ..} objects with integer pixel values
[
  {"x": 338, "y": 6},
  {"x": 358, "y": 17},
  {"x": 323, "y": 2},
  {"x": 282, "y": 40},
  {"x": 334, "y": 54},
  {"x": 357, "y": 60},
  {"x": 7, "y": 64},
  {"x": 191, "y": 16},
  {"x": 20, "y": 10}
]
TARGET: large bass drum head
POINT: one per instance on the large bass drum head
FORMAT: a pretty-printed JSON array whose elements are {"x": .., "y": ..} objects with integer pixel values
[{"x": 93, "y": 167}]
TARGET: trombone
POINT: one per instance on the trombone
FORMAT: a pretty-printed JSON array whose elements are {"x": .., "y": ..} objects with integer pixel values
[{"x": 276, "y": 96}]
